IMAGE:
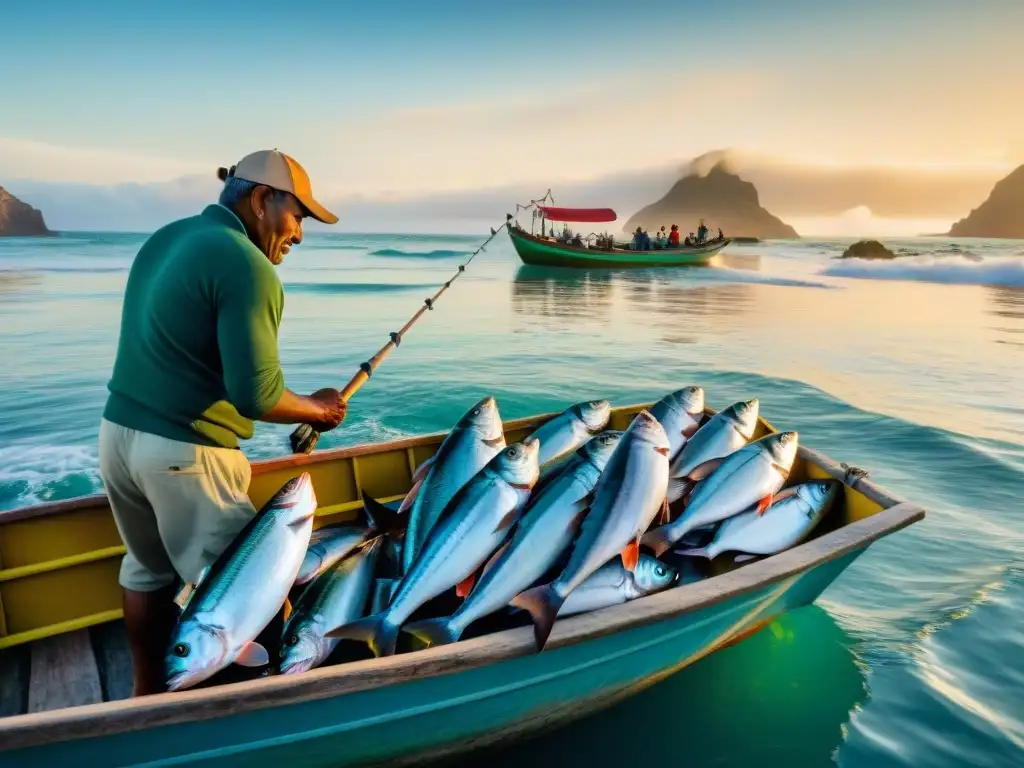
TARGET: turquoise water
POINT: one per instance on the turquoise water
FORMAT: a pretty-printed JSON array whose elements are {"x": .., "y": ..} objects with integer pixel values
[{"x": 913, "y": 370}]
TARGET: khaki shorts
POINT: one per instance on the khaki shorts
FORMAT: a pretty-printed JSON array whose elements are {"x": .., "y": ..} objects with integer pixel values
[{"x": 177, "y": 505}]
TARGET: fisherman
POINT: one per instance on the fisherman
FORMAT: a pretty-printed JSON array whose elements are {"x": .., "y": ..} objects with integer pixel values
[
  {"x": 638, "y": 239},
  {"x": 720, "y": 235},
  {"x": 197, "y": 362},
  {"x": 673, "y": 237},
  {"x": 702, "y": 232}
]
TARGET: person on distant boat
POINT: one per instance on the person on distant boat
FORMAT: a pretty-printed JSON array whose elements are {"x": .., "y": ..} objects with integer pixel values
[
  {"x": 673, "y": 238},
  {"x": 720, "y": 235},
  {"x": 197, "y": 363},
  {"x": 646, "y": 241},
  {"x": 577, "y": 240},
  {"x": 702, "y": 233},
  {"x": 691, "y": 239}
]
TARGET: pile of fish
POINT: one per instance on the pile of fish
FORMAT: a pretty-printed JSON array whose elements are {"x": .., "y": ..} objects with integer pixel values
[{"x": 552, "y": 525}]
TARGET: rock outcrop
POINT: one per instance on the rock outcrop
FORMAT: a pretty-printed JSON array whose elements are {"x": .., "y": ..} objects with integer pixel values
[
  {"x": 868, "y": 249},
  {"x": 722, "y": 199},
  {"x": 18, "y": 219},
  {"x": 1001, "y": 215}
]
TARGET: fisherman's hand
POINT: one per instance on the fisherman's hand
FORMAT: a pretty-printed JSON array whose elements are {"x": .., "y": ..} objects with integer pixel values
[{"x": 333, "y": 411}]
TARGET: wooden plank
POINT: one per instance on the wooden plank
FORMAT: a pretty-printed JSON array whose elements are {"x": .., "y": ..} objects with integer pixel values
[
  {"x": 190, "y": 705},
  {"x": 14, "y": 681},
  {"x": 63, "y": 673},
  {"x": 113, "y": 660}
]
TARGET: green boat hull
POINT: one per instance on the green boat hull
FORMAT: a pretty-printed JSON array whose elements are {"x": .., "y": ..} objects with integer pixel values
[
  {"x": 429, "y": 717},
  {"x": 544, "y": 253}
]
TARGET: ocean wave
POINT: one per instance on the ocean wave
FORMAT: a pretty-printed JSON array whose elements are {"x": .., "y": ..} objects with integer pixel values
[
  {"x": 949, "y": 270},
  {"x": 341, "y": 288},
  {"x": 435, "y": 254},
  {"x": 34, "y": 474}
]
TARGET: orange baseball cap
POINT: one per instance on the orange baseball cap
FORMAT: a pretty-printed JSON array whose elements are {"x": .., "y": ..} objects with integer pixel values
[{"x": 277, "y": 170}]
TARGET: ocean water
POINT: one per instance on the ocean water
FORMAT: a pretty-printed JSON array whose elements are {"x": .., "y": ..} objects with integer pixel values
[{"x": 913, "y": 370}]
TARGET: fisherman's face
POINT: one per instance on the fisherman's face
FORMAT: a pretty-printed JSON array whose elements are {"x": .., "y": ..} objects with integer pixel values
[{"x": 280, "y": 225}]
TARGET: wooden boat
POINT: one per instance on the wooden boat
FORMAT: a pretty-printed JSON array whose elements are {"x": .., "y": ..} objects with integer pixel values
[
  {"x": 546, "y": 252},
  {"x": 542, "y": 251},
  {"x": 64, "y": 662}
]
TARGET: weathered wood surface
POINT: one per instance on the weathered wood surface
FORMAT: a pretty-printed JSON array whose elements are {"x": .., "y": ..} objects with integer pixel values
[
  {"x": 63, "y": 673},
  {"x": 14, "y": 671},
  {"x": 189, "y": 705},
  {"x": 113, "y": 660}
]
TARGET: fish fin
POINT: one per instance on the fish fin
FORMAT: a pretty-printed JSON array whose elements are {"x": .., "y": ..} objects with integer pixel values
[
  {"x": 253, "y": 655},
  {"x": 542, "y": 603},
  {"x": 497, "y": 442},
  {"x": 464, "y": 587},
  {"x": 379, "y": 517},
  {"x": 764, "y": 503},
  {"x": 494, "y": 558},
  {"x": 507, "y": 521},
  {"x": 785, "y": 493},
  {"x": 657, "y": 540},
  {"x": 699, "y": 552},
  {"x": 631, "y": 555},
  {"x": 434, "y": 631},
  {"x": 743, "y": 558},
  {"x": 690, "y": 430},
  {"x": 320, "y": 534},
  {"x": 286, "y": 609},
  {"x": 665, "y": 516},
  {"x": 410, "y": 497},
  {"x": 182, "y": 598},
  {"x": 703, "y": 470},
  {"x": 302, "y": 520},
  {"x": 421, "y": 471},
  {"x": 678, "y": 487},
  {"x": 377, "y": 633}
]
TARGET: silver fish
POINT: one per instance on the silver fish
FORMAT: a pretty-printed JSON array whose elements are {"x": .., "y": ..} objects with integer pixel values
[
  {"x": 725, "y": 432},
  {"x": 474, "y": 524},
  {"x": 337, "y": 596},
  {"x": 237, "y": 596},
  {"x": 331, "y": 543},
  {"x": 796, "y": 512},
  {"x": 628, "y": 495},
  {"x": 567, "y": 431},
  {"x": 548, "y": 526},
  {"x": 612, "y": 584},
  {"x": 751, "y": 475},
  {"x": 474, "y": 441},
  {"x": 680, "y": 413}
]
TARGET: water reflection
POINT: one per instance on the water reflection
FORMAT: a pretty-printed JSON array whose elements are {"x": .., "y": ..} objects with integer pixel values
[
  {"x": 780, "y": 697},
  {"x": 652, "y": 298},
  {"x": 1008, "y": 306}
]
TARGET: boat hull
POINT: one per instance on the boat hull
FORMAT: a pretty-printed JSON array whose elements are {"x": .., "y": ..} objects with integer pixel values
[
  {"x": 408, "y": 722},
  {"x": 544, "y": 253}
]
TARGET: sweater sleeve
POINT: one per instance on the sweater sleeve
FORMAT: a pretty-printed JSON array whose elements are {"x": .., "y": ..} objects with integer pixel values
[{"x": 250, "y": 301}]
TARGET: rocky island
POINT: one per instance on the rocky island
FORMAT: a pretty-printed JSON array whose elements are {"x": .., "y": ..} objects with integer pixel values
[
  {"x": 19, "y": 219},
  {"x": 722, "y": 199},
  {"x": 1001, "y": 215},
  {"x": 868, "y": 249}
]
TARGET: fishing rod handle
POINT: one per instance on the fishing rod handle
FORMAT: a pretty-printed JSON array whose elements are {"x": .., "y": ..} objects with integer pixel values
[{"x": 305, "y": 438}]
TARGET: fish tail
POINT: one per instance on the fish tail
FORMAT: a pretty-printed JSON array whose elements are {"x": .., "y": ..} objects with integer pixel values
[
  {"x": 378, "y": 633},
  {"x": 542, "y": 603},
  {"x": 434, "y": 631},
  {"x": 659, "y": 540},
  {"x": 380, "y": 518}
]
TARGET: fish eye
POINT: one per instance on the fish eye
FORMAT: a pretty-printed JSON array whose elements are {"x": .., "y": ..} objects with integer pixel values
[
  {"x": 659, "y": 571},
  {"x": 476, "y": 411},
  {"x": 293, "y": 640},
  {"x": 181, "y": 650},
  {"x": 513, "y": 452}
]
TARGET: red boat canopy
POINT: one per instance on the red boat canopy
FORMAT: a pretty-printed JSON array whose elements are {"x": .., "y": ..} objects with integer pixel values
[{"x": 588, "y": 215}]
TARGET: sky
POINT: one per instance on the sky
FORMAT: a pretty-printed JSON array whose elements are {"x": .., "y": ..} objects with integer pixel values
[{"x": 400, "y": 100}]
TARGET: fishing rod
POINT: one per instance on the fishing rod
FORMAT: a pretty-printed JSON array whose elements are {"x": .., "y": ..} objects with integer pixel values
[{"x": 305, "y": 437}]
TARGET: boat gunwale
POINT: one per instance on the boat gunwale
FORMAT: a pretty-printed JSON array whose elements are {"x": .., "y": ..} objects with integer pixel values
[
  {"x": 710, "y": 246},
  {"x": 114, "y": 717}
]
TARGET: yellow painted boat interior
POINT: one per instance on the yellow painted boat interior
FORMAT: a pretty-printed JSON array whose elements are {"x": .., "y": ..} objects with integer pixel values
[{"x": 59, "y": 562}]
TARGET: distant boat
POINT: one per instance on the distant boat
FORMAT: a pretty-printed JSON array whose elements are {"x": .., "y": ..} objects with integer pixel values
[{"x": 542, "y": 251}]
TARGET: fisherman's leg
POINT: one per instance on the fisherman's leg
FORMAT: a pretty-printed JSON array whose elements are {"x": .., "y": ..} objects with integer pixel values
[{"x": 147, "y": 576}]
